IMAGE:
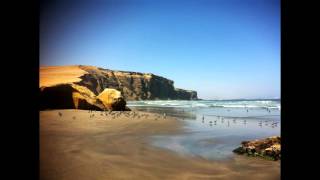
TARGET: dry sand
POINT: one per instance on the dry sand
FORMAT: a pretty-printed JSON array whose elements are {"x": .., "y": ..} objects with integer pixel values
[
  {"x": 77, "y": 146},
  {"x": 52, "y": 75}
]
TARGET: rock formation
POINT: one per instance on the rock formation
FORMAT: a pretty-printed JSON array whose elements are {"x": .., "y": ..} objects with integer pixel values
[
  {"x": 112, "y": 99},
  {"x": 269, "y": 148},
  {"x": 132, "y": 85},
  {"x": 185, "y": 94},
  {"x": 73, "y": 96},
  {"x": 68, "y": 96}
]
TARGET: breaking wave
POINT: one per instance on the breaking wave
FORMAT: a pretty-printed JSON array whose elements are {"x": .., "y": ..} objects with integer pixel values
[{"x": 266, "y": 104}]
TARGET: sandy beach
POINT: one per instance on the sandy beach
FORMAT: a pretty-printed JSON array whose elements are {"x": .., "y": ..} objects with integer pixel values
[{"x": 78, "y": 145}]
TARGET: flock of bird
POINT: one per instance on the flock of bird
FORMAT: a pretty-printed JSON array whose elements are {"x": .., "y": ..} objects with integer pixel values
[
  {"x": 117, "y": 114},
  {"x": 134, "y": 114},
  {"x": 222, "y": 119}
]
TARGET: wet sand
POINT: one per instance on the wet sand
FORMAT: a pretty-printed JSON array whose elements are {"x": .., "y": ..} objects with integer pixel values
[{"x": 77, "y": 146}]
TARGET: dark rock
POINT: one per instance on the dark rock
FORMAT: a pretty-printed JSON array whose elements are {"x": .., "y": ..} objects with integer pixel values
[{"x": 269, "y": 148}]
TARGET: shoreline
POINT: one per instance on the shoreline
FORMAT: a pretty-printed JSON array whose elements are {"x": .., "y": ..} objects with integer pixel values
[{"x": 75, "y": 146}]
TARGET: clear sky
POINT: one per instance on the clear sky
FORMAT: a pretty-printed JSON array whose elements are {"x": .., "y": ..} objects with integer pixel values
[{"x": 223, "y": 49}]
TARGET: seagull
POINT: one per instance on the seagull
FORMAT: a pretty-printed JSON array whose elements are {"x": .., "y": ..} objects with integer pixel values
[{"x": 275, "y": 124}]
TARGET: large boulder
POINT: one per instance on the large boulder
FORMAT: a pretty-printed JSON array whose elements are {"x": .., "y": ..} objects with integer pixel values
[
  {"x": 112, "y": 99},
  {"x": 269, "y": 148},
  {"x": 68, "y": 96}
]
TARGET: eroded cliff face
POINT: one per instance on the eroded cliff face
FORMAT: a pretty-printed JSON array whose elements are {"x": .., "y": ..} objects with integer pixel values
[
  {"x": 185, "y": 94},
  {"x": 133, "y": 85}
]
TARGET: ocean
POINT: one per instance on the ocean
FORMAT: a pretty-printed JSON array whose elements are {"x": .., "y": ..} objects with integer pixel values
[{"x": 213, "y": 128}]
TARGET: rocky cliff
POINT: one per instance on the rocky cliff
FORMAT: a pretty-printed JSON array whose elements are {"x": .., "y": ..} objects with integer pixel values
[{"x": 132, "y": 85}]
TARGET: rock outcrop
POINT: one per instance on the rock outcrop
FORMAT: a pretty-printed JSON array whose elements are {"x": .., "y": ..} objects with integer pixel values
[
  {"x": 112, "y": 99},
  {"x": 269, "y": 148},
  {"x": 68, "y": 96},
  {"x": 132, "y": 85},
  {"x": 185, "y": 94},
  {"x": 73, "y": 96}
]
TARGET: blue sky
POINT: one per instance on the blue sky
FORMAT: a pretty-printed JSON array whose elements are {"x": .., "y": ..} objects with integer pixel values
[{"x": 223, "y": 49}]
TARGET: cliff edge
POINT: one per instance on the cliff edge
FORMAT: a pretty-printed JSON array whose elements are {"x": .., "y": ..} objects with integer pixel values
[{"x": 132, "y": 85}]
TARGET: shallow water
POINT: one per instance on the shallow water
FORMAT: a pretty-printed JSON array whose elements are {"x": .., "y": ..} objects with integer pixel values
[{"x": 212, "y": 132}]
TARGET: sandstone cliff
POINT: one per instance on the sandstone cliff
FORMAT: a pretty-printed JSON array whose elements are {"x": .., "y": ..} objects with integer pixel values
[{"x": 132, "y": 85}]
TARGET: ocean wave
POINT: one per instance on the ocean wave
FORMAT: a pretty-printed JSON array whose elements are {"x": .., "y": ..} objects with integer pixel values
[{"x": 266, "y": 104}]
